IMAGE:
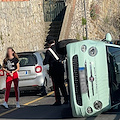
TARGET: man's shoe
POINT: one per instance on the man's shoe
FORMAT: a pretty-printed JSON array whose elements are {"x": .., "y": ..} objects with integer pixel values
[
  {"x": 17, "y": 105},
  {"x": 5, "y": 105},
  {"x": 57, "y": 104}
]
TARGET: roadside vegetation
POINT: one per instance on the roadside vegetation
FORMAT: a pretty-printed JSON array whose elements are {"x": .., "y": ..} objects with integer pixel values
[{"x": 94, "y": 11}]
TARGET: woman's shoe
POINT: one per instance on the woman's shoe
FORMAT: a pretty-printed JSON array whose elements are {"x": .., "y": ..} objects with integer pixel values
[
  {"x": 5, "y": 105},
  {"x": 17, "y": 105}
]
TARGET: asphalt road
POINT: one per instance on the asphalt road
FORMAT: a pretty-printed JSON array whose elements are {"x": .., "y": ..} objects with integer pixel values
[{"x": 36, "y": 107}]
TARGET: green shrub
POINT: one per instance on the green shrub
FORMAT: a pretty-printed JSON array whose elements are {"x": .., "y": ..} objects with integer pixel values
[
  {"x": 84, "y": 38},
  {"x": 78, "y": 36},
  {"x": 1, "y": 37},
  {"x": 84, "y": 21},
  {"x": 94, "y": 11}
]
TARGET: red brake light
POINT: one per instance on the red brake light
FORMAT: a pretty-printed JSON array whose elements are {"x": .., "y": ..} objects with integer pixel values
[
  {"x": 1, "y": 73},
  {"x": 38, "y": 69}
]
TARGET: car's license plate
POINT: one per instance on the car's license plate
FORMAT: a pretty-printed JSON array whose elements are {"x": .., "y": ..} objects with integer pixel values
[{"x": 22, "y": 73}]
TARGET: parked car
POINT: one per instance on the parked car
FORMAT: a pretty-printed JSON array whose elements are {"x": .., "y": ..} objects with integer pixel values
[
  {"x": 33, "y": 75},
  {"x": 2, "y": 82},
  {"x": 94, "y": 76}
]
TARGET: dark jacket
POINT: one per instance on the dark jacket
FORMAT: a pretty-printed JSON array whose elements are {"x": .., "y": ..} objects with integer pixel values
[{"x": 56, "y": 67}]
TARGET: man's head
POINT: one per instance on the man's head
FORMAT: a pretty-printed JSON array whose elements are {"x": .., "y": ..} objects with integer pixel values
[{"x": 50, "y": 40}]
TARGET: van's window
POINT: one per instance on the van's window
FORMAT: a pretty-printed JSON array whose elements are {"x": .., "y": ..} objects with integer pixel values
[
  {"x": 27, "y": 60},
  {"x": 114, "y": 73}
]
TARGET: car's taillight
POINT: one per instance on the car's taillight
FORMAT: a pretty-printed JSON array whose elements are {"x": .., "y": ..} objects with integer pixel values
[
  {"x": 38, "y": 69},
  {"x": 1, "y": 73}
]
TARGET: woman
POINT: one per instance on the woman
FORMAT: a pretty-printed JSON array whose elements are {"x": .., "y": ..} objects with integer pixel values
[{"x": 11, "y": 67}]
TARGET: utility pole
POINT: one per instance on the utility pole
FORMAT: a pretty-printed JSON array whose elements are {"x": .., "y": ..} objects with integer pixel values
[{"x": 86, "y": 28}]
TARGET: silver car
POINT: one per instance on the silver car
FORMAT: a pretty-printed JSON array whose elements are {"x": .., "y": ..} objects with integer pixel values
[{"x": 33, "y": 75}]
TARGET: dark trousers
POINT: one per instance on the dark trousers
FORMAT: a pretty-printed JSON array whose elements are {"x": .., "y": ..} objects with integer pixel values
[{"x": 59, "y": 85}]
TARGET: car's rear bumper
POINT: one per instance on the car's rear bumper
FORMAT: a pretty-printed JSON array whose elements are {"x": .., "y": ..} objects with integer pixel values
[
  {"x": 38, "y": 81},
  {"x": 28, "y": 88},
  {"x": 30, "y": 84}
]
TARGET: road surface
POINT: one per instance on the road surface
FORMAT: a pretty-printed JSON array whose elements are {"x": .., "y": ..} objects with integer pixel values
[{"x": 36, "y": 107}]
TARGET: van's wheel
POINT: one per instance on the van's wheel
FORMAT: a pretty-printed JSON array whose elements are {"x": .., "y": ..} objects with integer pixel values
[{"x": 44, "y": 89}]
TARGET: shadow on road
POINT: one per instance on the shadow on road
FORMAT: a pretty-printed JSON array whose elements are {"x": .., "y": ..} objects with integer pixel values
[
  {"x": 40, "y": 112},
  {"x": 53, "y": 112},
  {"x": 25, "y": 94}
]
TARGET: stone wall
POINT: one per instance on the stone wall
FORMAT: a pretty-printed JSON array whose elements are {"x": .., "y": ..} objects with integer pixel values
[
  {"x": 21, "y": 26},
  {"x": 103, "y": 16},
  {"x": 67, "y": 19}
]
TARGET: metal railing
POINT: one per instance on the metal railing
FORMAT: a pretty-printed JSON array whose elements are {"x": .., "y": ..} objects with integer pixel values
[{"x": 52, "y": 9}]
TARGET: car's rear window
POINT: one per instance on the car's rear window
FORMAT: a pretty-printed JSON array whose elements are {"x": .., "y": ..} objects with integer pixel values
[{"x": 27, "y": 60}]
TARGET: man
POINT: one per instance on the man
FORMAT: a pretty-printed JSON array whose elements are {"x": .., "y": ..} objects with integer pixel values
[
  {"x": 56, "y": 71},
  {"x": 118, "y": 41}
]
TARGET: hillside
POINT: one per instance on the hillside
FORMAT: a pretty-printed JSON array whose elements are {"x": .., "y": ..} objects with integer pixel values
[{"x": 102, "y": 16}]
